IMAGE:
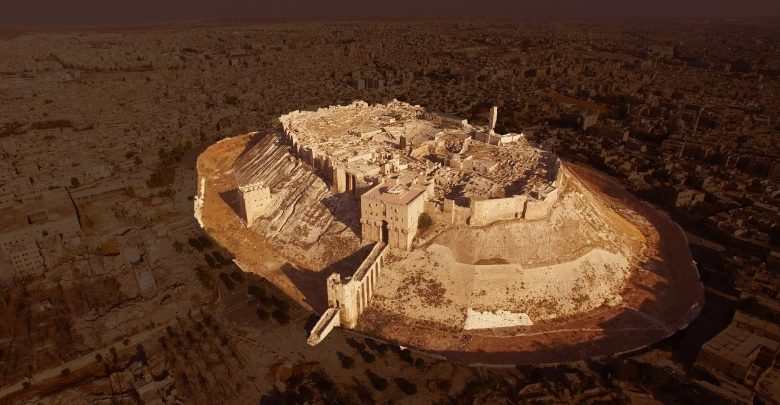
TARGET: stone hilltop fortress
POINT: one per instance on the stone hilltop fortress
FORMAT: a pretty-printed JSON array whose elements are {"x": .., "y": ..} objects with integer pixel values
[
  {"x": 390, "y": 161},
  {"x": 421, "y": 228},
  {"x": 389, "y": 167}
]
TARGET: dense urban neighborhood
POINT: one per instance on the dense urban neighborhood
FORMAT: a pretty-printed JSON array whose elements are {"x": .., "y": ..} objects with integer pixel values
[{"x": 115, "y": 290}]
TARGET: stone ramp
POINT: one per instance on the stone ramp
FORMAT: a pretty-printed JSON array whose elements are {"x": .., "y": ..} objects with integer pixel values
[{"x": 328, "y": 321}]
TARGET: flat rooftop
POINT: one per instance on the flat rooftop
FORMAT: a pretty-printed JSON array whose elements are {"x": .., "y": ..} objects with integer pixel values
[{"x": 397, "y": 194}]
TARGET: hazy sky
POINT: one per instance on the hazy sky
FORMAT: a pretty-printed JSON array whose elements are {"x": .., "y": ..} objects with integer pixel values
[{"x": 59, "y": 12}]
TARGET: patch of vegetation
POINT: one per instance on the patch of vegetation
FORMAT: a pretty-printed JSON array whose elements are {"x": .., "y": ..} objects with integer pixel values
[
  {"x": 12, "y": 128},
  {"x": 367, "y": 357},
  {"x": 219, "y": 258},
  {"x": 255, "y": 291},
  {"x": 195, "y": 243},
  {"x": 309, "y": 386},
  {"x": 205, "y": 241},
  {"x": 237, "y": 275},
  {"x": 406, "y": 356},
  {"x": 229, "y": 284},
  {"x": 211, "y": 261},
  {"x": 280, "y": 304},
  {"x": 379, "y": 383},
  {"x": 51, "y": 124},
  {"x": 424, "y": 222},
  {"x": 280, "y": 317},
  {"x": 347, "y": 362},
  {"x": 406, "y": 386}
]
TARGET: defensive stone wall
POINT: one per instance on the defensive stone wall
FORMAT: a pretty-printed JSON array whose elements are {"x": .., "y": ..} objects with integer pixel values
[
  {"x": 484, "y": 212},
  {"x": 198, "y": 201},
  {"x": 495, "y": 139},
  {"x": 341, "y": 179},
  {"x": 530, "y": 207}
]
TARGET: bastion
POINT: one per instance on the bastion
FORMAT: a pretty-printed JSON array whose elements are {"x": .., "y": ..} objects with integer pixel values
[{"x": 421, "y": 229}]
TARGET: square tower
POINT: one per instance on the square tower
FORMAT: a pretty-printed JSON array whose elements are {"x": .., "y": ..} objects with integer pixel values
[{"x": 255, "y": 199}]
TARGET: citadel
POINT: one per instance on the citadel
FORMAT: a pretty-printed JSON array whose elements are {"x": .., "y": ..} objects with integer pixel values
[{"x": 397, "y": 221}]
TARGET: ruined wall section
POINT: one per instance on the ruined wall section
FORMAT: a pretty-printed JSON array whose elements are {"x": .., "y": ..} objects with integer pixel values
[{"x": 198, "y": 201}]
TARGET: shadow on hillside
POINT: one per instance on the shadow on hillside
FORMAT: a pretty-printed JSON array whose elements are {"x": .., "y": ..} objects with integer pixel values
[
  {"x": 312, "y": 284},
  {"x": 345, "y": 208},
  {"x": 232, "y": 199}
]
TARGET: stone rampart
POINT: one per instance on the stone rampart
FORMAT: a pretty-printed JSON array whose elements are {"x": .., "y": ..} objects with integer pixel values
[{"x": 484, "y": 212}]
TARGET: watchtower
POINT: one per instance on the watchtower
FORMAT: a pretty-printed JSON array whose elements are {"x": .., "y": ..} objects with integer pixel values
[{"x": 255, "y": 198}]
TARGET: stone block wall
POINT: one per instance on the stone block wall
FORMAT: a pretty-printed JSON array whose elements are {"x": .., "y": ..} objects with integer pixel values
[{"x": 484, "y": 212}]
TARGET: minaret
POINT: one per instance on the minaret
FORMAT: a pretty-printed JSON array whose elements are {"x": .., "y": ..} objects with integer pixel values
[
  {"x": 493, "y": 117},
  {"x": 255, "y": 198}
]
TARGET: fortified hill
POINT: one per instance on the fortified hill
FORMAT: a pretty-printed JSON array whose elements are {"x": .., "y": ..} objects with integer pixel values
[{"x": 422, "y": 229}]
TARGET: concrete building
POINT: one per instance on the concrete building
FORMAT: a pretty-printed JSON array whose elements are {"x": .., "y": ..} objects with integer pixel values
[
  {"x": 682, "y": 197},
  {"x": 743, "y": 350},
  {"x": 24, "y": 227}
]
